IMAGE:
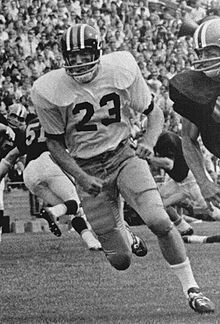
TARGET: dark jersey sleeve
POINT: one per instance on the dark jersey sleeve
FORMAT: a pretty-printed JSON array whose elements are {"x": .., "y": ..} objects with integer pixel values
[
  {"x": 20, "y": 136},
  {"x": 169, "y": 145},
  {"x": 194, "y": 95},
  {"x": 3, "y": 120}
]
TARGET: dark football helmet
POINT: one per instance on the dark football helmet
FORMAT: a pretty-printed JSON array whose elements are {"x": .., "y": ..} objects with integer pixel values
[
  {"x": 17, "y": 115},
  {"x": 81, "y": 52},
  {"x": 206, "y": 37}
]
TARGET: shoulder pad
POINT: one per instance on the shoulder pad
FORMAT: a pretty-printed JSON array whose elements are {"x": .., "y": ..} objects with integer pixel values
[
  {"x": 196, "y": 86},
  {"x": 56, "y": 87},
  {"x": 120, "y": 67}
]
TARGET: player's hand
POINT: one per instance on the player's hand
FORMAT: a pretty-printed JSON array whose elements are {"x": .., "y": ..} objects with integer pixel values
[
  {"x": 92, "y": 185},
  {"x": 211, "y": 193},
  {"x": 144, "y": 151},
  {"x": 10, "y": 133}
]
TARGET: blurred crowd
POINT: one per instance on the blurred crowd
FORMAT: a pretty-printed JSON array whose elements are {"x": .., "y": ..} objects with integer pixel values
[{"x": 30, "y": 31}]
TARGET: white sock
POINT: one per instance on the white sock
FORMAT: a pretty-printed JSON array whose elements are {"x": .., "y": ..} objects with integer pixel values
[
  {"x": 58, "y": 210},
  {"x": 184, "y": 272},
  {"x": 87, "y": 236},
  {"x": 197, "y": 239}
]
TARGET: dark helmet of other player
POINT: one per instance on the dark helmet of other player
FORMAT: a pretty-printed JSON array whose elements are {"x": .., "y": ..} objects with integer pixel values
[
  {"x": 81, "y": 52},
  {"x": 17, "y": 115},
  {"x": 207, "y": 47}
]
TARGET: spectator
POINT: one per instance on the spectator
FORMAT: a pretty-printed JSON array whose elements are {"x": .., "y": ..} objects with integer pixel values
[
  {"x": 3, "y": 33},
  {"x": 154, "y": 83},
  {"x": 2, "y": 77},
  {"x": 9, "y": 65},
  {"x": 39, "y": 64},
  {"x": 30, "y": 44},
  {"x": 75, "y": 7},
  {"x": 171, "y": 71},
  {"x": 198, "y": 12},
  {"x": 143, "y": 9},
  {"x": 164, "y": 102}
]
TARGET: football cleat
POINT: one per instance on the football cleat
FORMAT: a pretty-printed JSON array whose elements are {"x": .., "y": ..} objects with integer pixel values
[
  {"x": 47, "y": 215},
  {"x": 187, "y": 232},
  {"x": 199, "y": 303},
  {"x": 138, "y": 247}
]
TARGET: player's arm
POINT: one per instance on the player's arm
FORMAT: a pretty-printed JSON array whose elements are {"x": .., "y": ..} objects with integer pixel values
[
  {"x": 52, "y": 122},
  {"x": 161, "y": 162},
  {"x": 153, "y": 125},
  {"x": 7, "y": 131},
  {"x": 142, "y": 101},
  {"x": 8, "y": 161},
  {"x": 56, "y": 146},
  {"x": 195, "y": 161}
]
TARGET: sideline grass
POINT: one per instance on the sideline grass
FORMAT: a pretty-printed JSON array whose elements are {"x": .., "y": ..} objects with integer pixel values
[{"x": 44, "y": 279}]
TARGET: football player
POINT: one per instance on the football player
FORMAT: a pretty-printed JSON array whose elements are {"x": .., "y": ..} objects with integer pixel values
[
  {"x": 196, "y": 96},
  {"x": 44, "y": 178},
  {"x": 181, "y": 183},
  {"x": 85, "y": 105},
  {"x": 7, "y": 136}
]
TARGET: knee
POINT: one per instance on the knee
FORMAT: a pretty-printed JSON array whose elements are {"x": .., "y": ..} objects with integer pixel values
[
  {"x": 120, "y": 261},
  {"x": 161, "y": 226},
  {"x": 117, "y": 249}
]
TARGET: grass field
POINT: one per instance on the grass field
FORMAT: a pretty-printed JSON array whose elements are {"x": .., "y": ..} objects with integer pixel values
[{"x": 44, "y": 279}]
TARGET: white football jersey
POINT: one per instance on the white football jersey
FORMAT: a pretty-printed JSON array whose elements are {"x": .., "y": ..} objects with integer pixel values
[{"x": 93, "y": 116}]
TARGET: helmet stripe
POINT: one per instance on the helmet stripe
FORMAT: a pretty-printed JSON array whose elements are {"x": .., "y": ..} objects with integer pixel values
[
  {"x": 197, "y": 37},
  {"x": 82, "y": 33},
  {"x": 200, "y": 34},
  {"x": 203, "y": 34},
  {"x": 68, "y": 38}
]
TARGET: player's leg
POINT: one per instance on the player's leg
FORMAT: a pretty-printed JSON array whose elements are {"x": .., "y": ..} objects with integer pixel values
[
  {"x": 105, "y": 216},
  {"x": 55, "y": 188},
  {"x": 138, "y": 245},
  {"x": 33, "y": 176},
  {"x": 199, "y": 201},
  {"x": 171, "y": 194},
  {"x": 2, "y": 186},
  {"x": 64, "y": 187},
  {"x": 182, "y": 226},
  {"x": 137, "y": 186},
  {"x": 80, "y": 225}
]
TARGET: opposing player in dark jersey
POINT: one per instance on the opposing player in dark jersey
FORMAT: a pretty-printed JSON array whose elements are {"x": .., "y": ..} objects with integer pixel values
[
  {"x": 181, "y": 183},
  {"x": 7, "y": 136},
  {"x": 196, "y": 96},
  {"x": 44, "y": 178}
]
